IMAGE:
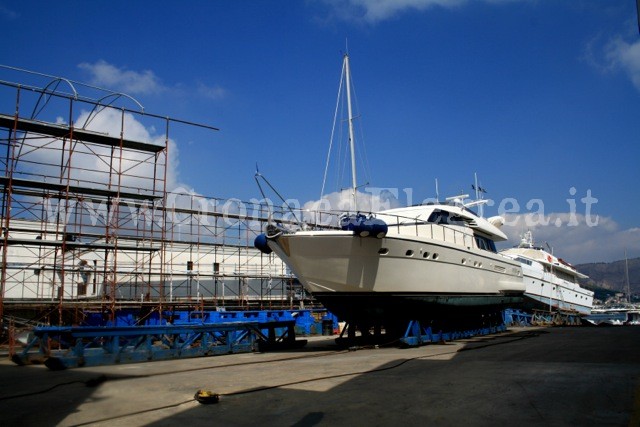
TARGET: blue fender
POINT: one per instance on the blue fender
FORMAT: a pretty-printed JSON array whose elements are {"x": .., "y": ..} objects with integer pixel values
[{"x": 261, "y": 243}]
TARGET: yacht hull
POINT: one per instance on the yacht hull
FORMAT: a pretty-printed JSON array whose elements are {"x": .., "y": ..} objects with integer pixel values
[
  {"x": 398, "y": 277},
  {"x": 382, "y": 307}
]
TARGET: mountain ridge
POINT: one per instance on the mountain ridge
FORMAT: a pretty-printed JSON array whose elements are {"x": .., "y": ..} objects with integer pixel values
[{"x": 611, "y": 275}]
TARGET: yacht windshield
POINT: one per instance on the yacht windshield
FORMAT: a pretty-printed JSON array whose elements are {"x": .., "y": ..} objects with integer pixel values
[{"x": 439, "y": 216}]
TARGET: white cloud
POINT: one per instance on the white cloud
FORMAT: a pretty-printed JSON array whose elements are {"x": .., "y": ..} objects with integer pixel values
[
  {"x": 373, "y": 11},
  {"x": 615, "y": 54},
  {"x": 214, "y": 92},
  {"x": 130, "y": 82},
  {"x": 625, "y": 56},
  {"x": 134, "y": 164},
  {"x": 375, "y": 200},
  {"x": 580, "y": 242},
  {"x": 91, "y": 164},
  {"x": 8, "y": 14},
  {"x": 575, "y": 237},
  {"x": 126, "y": 81},
  {"x": 342, "y": 201}
]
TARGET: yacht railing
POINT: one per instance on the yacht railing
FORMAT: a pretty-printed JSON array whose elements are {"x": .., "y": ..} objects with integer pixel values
[
  {"x": 400, "y": 225},
  {"x": 419, "y": 228}
]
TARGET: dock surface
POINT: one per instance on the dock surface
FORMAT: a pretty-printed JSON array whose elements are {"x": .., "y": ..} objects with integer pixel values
[{"x": 587, "y": 376}]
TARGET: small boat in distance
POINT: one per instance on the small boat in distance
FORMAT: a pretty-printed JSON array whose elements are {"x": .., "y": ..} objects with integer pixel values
[
  {"x": 425, "y": 263},
  {"x": 551, "y": 283}
]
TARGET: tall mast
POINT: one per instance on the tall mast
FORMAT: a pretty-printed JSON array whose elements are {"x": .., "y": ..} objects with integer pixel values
[{"x": 351, "y": 136}]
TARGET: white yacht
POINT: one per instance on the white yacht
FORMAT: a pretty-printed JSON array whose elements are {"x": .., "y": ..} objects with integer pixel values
[
  {"x": 551, "y": 283},
  {"x": 424, "y": 262}
]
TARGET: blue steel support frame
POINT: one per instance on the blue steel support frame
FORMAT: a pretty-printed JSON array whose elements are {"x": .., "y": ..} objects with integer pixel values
[
  {"x": 514, "y": 317},
  {"x": 416, "y": 334},
  {"x": 93, "y": 346}
]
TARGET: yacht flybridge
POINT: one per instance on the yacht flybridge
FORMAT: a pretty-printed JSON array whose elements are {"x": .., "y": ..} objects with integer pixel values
[{"x": 422, "y": 262}]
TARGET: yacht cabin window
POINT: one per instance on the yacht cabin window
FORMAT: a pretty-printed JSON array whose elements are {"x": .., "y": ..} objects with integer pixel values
[
  {"x": 485, "y": 244},
  {"x": 523, "y": 260}
]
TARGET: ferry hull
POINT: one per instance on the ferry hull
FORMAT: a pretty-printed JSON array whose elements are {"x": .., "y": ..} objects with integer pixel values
[
  {"x": 533, "y": 301},
  {"x": 551, "y": 283}
]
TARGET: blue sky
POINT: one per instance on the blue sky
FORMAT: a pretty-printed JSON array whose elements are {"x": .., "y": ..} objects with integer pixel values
[{"x": 537, "y": 97}]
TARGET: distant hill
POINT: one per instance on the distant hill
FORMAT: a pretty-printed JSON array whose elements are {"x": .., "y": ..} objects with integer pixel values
[{"x": 611, "y": 275}]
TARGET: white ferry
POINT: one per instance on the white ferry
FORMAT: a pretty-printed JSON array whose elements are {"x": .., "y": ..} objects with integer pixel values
[{"x": 551, "y": 283}]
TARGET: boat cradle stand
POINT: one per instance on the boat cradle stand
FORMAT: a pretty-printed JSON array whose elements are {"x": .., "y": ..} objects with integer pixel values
[
  {"x": 93, "y": 346},
  {"x": 555, "y": 318},
  {"x": 516, "y": 317},
  {"x": 415, "y": 334}
]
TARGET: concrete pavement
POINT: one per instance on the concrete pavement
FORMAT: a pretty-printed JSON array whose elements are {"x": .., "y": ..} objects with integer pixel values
[{"x": 527, "y": 376}]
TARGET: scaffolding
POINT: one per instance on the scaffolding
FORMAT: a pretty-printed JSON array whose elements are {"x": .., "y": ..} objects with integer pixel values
[{"x": 88, "y": 220}]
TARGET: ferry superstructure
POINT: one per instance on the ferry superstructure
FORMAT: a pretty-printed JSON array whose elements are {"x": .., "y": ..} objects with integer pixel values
[{"x": 551, "y": 283}]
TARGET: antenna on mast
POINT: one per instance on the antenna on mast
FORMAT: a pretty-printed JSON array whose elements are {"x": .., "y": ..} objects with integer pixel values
[
  {"x": 437, "y": 193},
  {"x": 550, "y": 248},
  {"x": 479, "y": 190}
]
